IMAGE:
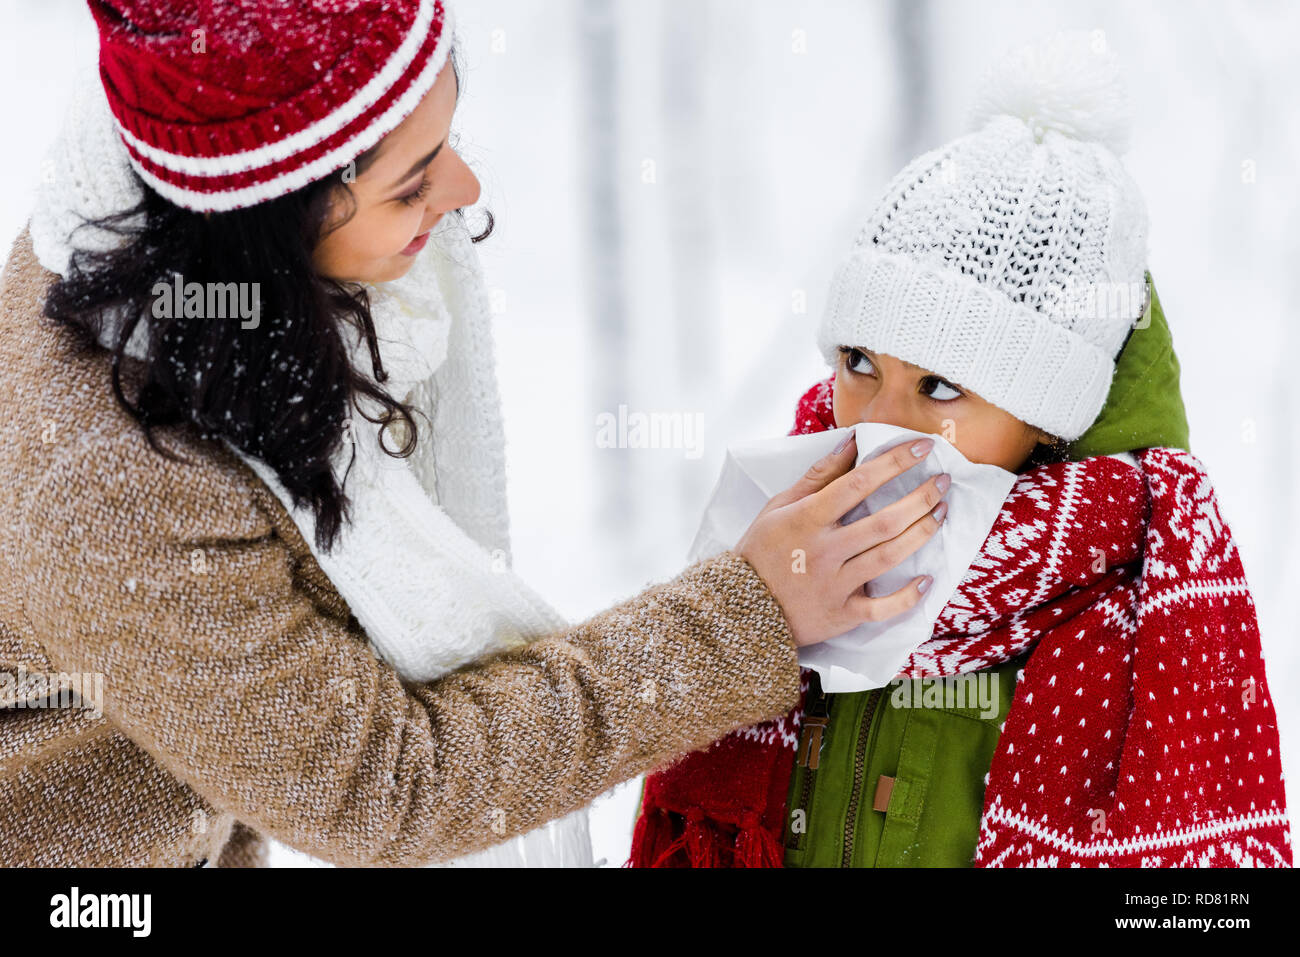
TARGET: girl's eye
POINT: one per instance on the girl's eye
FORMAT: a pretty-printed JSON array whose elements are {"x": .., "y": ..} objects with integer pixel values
[
  {"x": 939, "y": 390},
  {"x": 856, "y": 361},
  {"x": 410, "y": 199}
]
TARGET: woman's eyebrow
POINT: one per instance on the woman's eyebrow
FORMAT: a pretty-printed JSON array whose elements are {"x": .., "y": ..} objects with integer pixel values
[{"x": 419, "y": 165}]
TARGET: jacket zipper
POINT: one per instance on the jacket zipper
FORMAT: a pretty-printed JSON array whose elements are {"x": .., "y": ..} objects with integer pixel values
[
  {"x": 811, "y": 736},
  {"x": 859, "y": 768}
]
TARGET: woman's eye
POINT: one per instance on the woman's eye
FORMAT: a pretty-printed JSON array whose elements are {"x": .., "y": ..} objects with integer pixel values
[
  {"x": 856, "y": 360},
  {"x": 939, "y": 390},
  {"x": 410, "y": 199}
]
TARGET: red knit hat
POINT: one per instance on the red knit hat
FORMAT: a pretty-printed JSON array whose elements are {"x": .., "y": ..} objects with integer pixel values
[{"x": 224, "y": 104}]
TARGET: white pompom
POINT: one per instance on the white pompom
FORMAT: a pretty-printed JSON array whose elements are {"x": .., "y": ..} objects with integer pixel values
[{"x": 1069, "y": 82}]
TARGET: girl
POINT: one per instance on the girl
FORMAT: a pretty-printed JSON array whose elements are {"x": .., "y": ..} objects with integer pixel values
[
  {"x": 998, "y": 295},
  {"x": 243, "y": 215}
]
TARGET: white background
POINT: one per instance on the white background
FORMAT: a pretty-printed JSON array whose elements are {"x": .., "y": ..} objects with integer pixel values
[{"x": 670, "y": 180}]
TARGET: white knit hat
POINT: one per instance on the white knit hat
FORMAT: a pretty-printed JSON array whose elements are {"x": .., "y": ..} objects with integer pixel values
[{"x": 1012, "y": 260}]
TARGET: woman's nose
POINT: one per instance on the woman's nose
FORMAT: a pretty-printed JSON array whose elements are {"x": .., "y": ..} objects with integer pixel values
[{"x": 460, "y": 187}]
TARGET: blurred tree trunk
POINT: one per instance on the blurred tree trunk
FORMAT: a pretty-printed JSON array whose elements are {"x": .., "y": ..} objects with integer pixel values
[
  {"x": 602, "y": 172},
  {"x": 688, "y": 51},
  {"x": 913, "y": 41}
]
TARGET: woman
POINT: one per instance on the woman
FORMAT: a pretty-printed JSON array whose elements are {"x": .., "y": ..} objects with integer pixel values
[{"x": 299, "y": 634}]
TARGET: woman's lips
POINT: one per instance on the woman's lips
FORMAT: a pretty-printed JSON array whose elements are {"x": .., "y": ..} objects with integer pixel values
[{"x": 417, "y": 243}]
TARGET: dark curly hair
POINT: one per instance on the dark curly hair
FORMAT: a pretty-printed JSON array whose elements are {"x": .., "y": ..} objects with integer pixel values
[{"x": 279, "y": 391}]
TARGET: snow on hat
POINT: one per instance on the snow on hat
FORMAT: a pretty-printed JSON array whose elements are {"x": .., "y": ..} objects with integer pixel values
[
  {"x": 1012, "y": 260},
  {"x": 224, "y": 104}
]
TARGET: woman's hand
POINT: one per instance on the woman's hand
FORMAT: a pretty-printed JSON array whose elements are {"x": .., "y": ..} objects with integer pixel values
[{"x": 816, "y": 567}]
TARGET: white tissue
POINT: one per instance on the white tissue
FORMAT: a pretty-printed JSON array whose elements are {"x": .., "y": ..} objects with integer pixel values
[{"x": 872, "y": 654}]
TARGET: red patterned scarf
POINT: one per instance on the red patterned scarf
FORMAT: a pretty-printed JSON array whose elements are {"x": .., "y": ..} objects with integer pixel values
[{"x": 1141, "y": 732}]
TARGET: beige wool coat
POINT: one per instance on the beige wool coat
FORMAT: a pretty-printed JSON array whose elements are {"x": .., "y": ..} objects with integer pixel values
[{"x": 237, "y": 696}]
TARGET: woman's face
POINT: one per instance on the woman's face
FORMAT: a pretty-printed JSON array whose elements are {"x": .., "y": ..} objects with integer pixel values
[
  {"x": 870, "y": 387},
  {"x": 412, "y": 180}
]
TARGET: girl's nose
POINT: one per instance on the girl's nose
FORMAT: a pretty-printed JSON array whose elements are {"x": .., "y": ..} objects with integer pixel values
[{"x": 887, "y": 408}]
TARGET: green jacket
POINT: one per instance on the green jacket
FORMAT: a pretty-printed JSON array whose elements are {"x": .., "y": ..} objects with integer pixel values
[{"x": 926, "y": 766}]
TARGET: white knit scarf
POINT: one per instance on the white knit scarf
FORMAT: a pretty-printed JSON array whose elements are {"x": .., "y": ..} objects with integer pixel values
[{"x": 424, "y": 565}]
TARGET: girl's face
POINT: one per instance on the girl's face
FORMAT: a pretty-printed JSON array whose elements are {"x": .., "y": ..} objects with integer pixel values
[
  {"x": 870, "y": 387},
  {"x": 402, "y": 187}
]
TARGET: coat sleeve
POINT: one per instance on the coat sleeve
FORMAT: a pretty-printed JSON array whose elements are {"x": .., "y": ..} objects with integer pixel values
[
  {"x": 244, "y": 848},
  {"x": 171, "y": 580}
]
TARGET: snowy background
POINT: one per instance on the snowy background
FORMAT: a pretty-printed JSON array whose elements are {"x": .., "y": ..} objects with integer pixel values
[{"x": 674, "y": 180}]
